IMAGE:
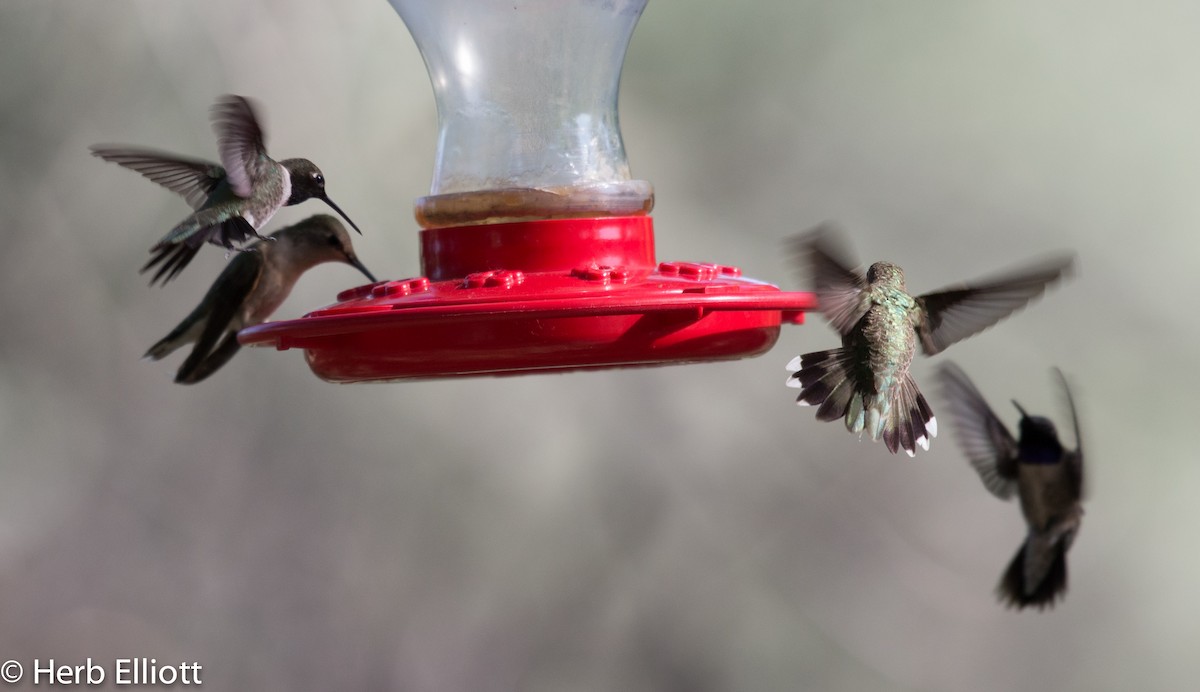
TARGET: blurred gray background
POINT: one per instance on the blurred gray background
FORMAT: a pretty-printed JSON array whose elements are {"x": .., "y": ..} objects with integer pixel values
[{"x": 682, "y": 528}]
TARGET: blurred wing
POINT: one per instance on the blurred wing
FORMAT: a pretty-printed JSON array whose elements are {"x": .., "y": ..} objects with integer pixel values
[
  {"x": 192, "y": 179},
  {"x": 988, "y": 445},
  {"x": 240, "y": 142},
  {"x": 226, "y": 297},
  {"x": 1074, "y": 459},
  {"x": 954, "y": 314},
  {"x": 838, "y": 287}
]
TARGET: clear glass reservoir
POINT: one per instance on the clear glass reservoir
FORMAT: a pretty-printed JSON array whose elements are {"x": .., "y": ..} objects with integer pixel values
[{"x": 526, "y": 94}]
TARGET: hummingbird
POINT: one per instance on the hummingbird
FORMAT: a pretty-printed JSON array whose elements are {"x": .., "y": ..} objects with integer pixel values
[
  {"x": 250, "y": 288},
  {"x": 1047, "y": 477},
  {"x": 231, "y": 200},
  {"x": 867, "y": 380}
]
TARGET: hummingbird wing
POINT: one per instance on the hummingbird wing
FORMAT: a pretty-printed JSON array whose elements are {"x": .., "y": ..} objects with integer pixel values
[
  {"x": 171, "y": 256},
  {"x": 1074, "y": 459},
  {"x": 955, "y": 313},
  {"x": 193, "y": 179},
  {"x": 989, "y": 445},
  {"x": 240, "y": 143},
  {"x": 838, "y": 287},
  {"x": 224, "y": 299}
]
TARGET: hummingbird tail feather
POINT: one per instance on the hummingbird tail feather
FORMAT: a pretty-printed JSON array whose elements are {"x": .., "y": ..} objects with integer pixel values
[
  {"x": 210, "y": 225},
  {"x": 182, "y": 231},
  {"x": 165, "y": 346},
  {"x": 172, "y": 254},
  {"x": 184, "y": 333},
  {"x": 908, "y": 421},
  {"x": 1017, "y": 590},
  {"x": 198, "y": 367},
  {"x": 823, "y": 379},
  {"x": 159, "y": 350}
]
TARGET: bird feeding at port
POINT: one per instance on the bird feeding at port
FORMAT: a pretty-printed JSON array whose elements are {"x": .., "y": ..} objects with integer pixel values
[
  {"x": 231, "y": 201},
  {"x": 250, "y": 288}
]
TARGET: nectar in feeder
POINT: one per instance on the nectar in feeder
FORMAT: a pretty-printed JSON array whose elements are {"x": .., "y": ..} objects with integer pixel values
[
  {"x": 527, "y": 105},
  {"x": 537, "y": 248}
]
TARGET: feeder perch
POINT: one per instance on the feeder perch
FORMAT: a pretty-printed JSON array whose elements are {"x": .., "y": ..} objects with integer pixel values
[{"x": 537, "y": 247}]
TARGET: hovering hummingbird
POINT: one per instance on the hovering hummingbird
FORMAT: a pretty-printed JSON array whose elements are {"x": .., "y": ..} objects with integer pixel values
[
  {"x": 866, "y": 381},
  {"x": 231, "y": 200},
  {"x": 251, "y": 287},
  {"x": 1048, "y": 478}
]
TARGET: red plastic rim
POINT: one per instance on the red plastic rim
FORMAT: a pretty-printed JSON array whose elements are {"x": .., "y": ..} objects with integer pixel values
[
  {"x": 540, "y": 296},
  {"x": 538, "y": 246}
]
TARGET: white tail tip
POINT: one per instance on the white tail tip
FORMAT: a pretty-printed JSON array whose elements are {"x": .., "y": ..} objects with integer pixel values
[{"x": 793, "y": 364}]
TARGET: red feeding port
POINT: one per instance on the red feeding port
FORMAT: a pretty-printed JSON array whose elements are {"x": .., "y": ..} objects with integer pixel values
[
  {"x": 537, "y": 252},
  {"x": 537, "y": 296}
]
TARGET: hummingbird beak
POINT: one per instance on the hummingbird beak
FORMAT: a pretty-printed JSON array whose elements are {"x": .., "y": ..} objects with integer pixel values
[
  {"x": 354, "y": 262},
  {"x": 1023, "y": 414},
  {"x": 341, "y": 213}
]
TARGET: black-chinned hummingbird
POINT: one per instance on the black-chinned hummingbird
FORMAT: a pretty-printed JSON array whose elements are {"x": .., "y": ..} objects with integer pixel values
[
  {"x": 1047, "y": 477},
  {"x": 867, "y": 380},
  {"x": 232, "y": 200},
  {"x": 250, "y": 289}
]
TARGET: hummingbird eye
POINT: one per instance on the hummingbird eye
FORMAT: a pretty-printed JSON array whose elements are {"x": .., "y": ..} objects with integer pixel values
[{"x": 318, "y": 179}]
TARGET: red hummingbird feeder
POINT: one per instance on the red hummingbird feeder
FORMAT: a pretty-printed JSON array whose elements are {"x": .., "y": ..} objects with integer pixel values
[{"x": 537, "y": 247}]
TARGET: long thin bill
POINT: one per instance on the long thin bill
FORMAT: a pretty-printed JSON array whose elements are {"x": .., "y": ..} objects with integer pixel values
[
  {"x": 342, "y": 214},
  {"x": 354, "y": 262}
]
